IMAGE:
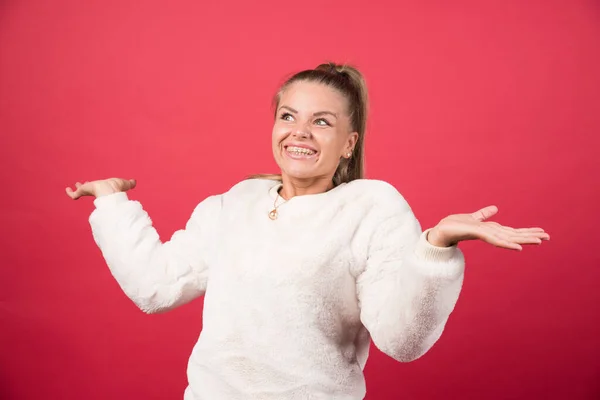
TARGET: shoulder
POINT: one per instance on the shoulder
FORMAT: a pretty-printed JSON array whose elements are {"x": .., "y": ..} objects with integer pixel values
[
  {"x": 251, "y": 187},
  {"x": 377, "y": 194},
  {"x": 245, "y": 192},
  {"x": 248, "y": 191},
  {"x": 383, "y": 215},
  {"x": 374, "y": 186}
]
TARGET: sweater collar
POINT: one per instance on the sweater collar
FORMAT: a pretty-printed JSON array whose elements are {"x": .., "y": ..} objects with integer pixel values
[{"x": 273, "y": 193}]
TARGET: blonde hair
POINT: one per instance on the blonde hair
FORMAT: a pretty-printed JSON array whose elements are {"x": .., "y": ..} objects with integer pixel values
[{"x": 350, "y": 83}]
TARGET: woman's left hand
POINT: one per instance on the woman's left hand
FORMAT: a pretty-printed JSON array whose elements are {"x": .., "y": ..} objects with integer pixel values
[{"x": 460, "y": 227}]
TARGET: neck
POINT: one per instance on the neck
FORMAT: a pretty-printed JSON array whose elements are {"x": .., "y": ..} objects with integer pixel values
[{"x": 299, "y": 187}]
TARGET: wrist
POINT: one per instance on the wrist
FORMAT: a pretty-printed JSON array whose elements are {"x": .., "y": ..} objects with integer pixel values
[{"x": 435, "y": 239}]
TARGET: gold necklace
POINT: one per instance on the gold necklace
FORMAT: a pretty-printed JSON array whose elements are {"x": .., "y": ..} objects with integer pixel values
[{"x": 273, "y": 213}]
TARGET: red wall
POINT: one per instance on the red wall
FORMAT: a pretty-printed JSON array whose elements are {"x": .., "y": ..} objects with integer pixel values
[{"x": 473, "y": 103}]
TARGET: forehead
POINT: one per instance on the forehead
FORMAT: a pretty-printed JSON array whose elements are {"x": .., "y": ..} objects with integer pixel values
[{"x": 313, "y": 97}]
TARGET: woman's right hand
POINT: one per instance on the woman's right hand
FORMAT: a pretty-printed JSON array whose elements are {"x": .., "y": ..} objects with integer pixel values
[{"x": 100, "y": 188}]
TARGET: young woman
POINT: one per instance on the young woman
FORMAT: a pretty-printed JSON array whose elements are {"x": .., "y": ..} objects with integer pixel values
[{"x": 300, "y": 270}]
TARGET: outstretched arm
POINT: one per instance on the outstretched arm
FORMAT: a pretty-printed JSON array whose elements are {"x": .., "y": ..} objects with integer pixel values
[
  {"x": 408, "y": 288},
  {"x": 156, "y": 276},
  {"x": 412, "y": 279}
]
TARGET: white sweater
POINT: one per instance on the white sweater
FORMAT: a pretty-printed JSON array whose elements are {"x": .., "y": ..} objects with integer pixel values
[{"x": 290, "y": 304}]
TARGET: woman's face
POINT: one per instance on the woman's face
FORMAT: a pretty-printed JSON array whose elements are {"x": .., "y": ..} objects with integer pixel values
[{"x": 312, "y": 131}]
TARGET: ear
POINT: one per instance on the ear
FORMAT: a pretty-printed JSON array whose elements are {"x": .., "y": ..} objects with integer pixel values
[{"x": 350, "y": 145}]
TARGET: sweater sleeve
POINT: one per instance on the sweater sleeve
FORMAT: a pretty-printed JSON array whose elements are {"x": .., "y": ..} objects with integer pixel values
[
  {"x": 408, "y": 288},
  {"x": 156, "y": 276}
]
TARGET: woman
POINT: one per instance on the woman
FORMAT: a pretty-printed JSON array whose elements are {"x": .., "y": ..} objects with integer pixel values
[{"x": 299, "y": 271}]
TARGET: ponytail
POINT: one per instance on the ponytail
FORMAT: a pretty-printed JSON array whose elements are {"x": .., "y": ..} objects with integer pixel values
[{"x": 351, "y": 84}]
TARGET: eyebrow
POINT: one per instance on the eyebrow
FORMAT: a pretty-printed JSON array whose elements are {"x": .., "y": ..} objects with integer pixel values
[{"x": 317, "y": 114}]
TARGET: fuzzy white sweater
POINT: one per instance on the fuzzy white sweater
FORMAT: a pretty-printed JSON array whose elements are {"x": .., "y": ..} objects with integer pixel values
[{"x": 290, "y": 304}]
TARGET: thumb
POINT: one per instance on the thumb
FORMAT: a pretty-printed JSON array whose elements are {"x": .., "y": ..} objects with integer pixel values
[{"x": 485, "y": 213}]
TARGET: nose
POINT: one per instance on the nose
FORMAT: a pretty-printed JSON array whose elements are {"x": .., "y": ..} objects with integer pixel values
[{"x": 302, "y": 132}]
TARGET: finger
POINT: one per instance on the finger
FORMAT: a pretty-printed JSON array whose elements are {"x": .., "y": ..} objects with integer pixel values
[
  {"x": 530, "y": 230},
  {"x": 525, "y": 240},
  {"x": 485, "y": 213},
  {"x": 503, "y": 242},
  {"x": 126, "y": 184},
  {"x": 521, "y": 236},
  {"x": 498, "y": 238},
  {"x": 78, "y": 185},
  {"x": 132, "y": 183},
  {"x": 537, "y": 232},
  {"x": 527, "y": 233},
  {"x": 541, "y": 235},
  {"x": 73, "y": 195}
]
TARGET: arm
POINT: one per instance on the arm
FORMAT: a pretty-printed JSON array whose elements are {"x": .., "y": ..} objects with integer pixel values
[
  {"x": 156, "y": 276},
  {"x": 409, "y": 287}
]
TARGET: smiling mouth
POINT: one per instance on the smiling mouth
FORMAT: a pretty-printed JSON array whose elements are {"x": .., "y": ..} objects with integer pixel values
[{"x": 300, "y": 151}]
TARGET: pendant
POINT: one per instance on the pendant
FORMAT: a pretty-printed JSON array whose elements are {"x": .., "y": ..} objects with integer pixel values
[{"x": 273, "y": 214}]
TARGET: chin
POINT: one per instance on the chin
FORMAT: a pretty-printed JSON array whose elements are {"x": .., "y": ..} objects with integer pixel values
[{"x": 300, "y": 173}]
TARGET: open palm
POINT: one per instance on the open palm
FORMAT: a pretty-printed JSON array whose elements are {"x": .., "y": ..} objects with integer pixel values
[
  {"x": 100, "y": 188},
  {"x": 460, "y": 227}
]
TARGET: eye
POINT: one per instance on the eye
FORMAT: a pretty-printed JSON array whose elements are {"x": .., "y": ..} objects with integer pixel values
[
  {"x": 322, "y": 122},
  {"x": 287, "y": 117}
]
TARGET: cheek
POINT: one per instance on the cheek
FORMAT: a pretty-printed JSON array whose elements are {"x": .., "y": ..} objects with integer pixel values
[
  {"x": 279, "y": 133},
  {"x": 330, "y": 144},
  {"x": 277, "y": 136}
]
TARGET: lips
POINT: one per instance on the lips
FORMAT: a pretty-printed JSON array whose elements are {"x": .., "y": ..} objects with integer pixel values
[{"x": 300, "y": 152}]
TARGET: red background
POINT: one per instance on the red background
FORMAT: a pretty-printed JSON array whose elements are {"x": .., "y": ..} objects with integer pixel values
[{"x": 473, "y": 103}]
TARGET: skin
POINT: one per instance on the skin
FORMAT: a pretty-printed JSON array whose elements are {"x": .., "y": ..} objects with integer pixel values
[
  {"x": 312, "y": 115},
  {"x": 315, "y": 116}
]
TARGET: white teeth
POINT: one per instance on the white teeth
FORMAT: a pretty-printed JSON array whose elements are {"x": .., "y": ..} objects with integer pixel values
[{"x": 300, "y": 150}]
